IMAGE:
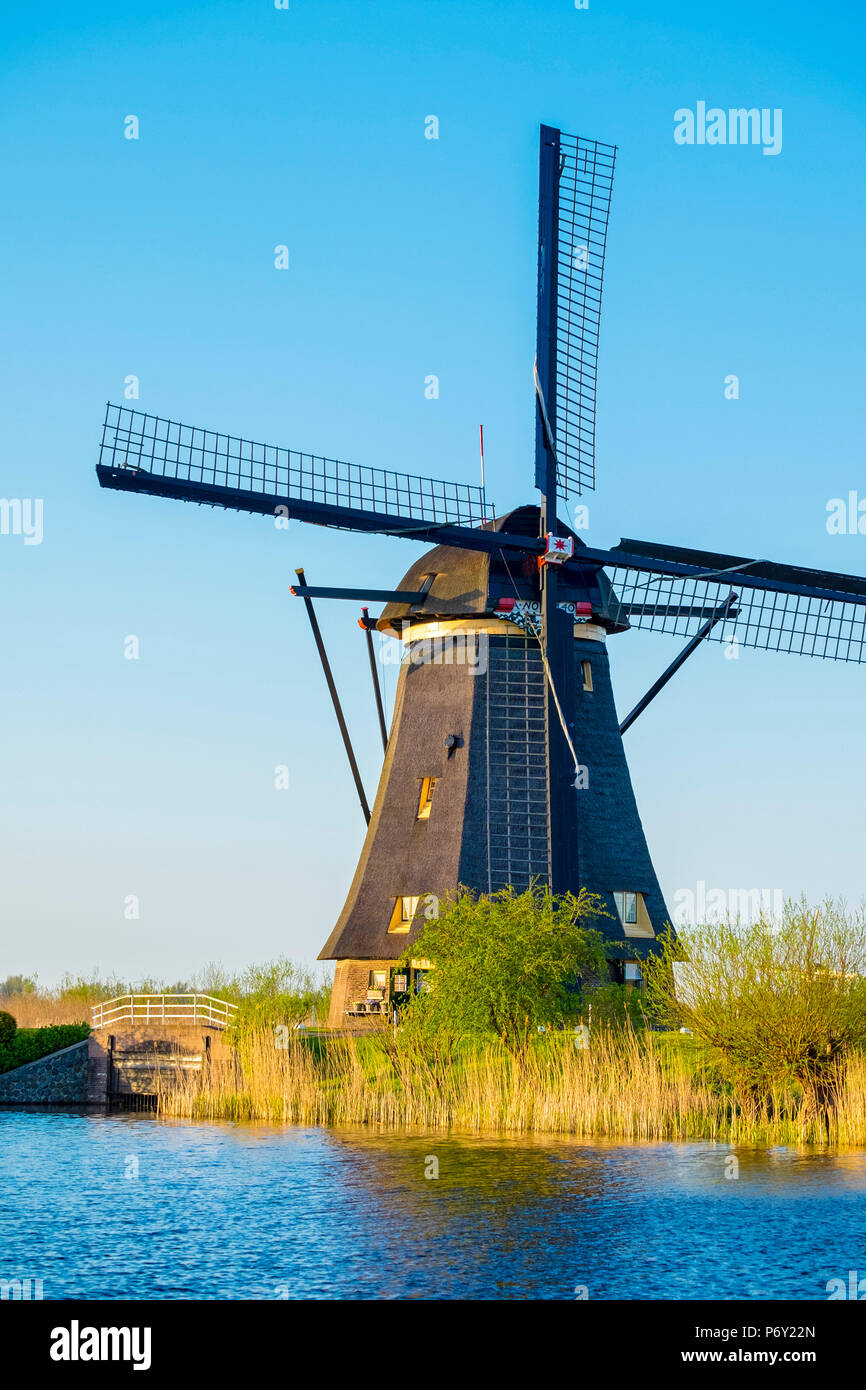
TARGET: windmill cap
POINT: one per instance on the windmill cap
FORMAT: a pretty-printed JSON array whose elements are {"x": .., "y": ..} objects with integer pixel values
[{"x": 474, "y": 583}]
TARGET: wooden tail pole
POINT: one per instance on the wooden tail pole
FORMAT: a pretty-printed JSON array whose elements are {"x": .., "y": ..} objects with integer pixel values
[
  {"x": 377, "y": 690},
  {"x": 335, "y": 700}
]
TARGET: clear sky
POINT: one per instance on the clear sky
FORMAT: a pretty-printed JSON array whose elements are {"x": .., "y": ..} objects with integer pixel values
[{"x": 155, "y": 257}]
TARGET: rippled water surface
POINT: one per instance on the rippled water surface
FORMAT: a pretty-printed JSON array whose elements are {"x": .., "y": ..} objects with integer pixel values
[{"x": 125, "y": 1206}]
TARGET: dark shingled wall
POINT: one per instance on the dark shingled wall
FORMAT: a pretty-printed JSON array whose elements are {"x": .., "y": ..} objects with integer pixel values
[
  {"x": 487, "y": 827},
  {"x": 613, "y": 848},
  {"x": 403, "y": 855}
]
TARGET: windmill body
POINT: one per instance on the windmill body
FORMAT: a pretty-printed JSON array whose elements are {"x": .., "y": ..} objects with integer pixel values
[
  {"x": 504, "y": 763},
  {"x": 463, "y": 791}
]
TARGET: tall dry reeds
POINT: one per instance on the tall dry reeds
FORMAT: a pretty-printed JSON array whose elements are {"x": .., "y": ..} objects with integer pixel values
[
  {"x": 34, "y": 1010},
  {"x": 627, "y": 1085}
]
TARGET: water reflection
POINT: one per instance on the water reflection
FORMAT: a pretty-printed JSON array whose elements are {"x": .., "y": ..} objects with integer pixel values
[{"x": 125, "y": 1206}]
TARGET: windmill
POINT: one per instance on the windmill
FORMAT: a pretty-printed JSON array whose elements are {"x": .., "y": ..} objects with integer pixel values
[{"x": 504, "y": 763}]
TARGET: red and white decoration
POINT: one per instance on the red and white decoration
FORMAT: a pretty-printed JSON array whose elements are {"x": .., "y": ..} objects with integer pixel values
[
  {"x": 557, "y": 549},
  {"x": 527, "y": 612}
]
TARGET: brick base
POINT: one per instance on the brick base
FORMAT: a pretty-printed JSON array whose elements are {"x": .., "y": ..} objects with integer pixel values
[{"x": 352, "y": 982}]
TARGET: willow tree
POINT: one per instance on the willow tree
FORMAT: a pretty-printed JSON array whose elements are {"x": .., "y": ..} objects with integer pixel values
[
  {"x": 779, "y": 1001},
  {"x": 505, "y": 964}
]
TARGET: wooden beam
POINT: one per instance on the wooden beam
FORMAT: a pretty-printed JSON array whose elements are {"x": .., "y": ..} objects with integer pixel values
[{"x": 335, "y": 700}]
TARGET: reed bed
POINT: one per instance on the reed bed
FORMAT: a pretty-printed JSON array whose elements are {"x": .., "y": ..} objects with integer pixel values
[
  {"x": 627, "y": 1085},
  {"x": 41, "y": 1010}
]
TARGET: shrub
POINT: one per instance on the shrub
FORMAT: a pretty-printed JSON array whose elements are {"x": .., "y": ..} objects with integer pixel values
[
  {"x": 278, "y": 993},
  {"x": 612, "y": 1006},
  {"x": 29, "y": 1044},
  {"x": 504, "y": 964},
  {"x": 778, "y": 1002},
  {"x": 7, "y": 1028}
]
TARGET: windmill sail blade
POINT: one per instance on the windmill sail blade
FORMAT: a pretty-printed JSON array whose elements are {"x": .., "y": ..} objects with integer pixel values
[
  {"x": 786, "y": 608},
  {"x": 745, "y": 569},
  {"x": 145, "y": 453},
  {"x": 571, "y": 275}
]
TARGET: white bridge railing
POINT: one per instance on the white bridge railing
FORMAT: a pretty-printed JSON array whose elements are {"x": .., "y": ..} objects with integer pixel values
[{"x": 163, "y": 1008}]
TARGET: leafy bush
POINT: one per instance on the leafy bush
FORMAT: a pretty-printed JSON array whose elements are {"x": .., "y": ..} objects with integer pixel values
[
  {"x": 7, "y": 1028},
  {"x": 612, "y": 1006},
  {"x": 29, "y": 1044},
  {"x": 505, "y": 963},
  {"x": 274, "y": 994},
  {"x": 778, "y": 1002}
]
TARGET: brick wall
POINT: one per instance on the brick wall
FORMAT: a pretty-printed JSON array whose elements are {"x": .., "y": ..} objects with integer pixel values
[{"x": 351, "y": 982}]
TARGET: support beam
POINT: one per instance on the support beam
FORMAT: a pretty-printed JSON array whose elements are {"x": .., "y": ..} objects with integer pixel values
[
  {"x": 703, "y": 632},
  {"x": 374, "y": 595},
  {"x": 377, "y": 689},
  {"x": 335, "y": 700}
]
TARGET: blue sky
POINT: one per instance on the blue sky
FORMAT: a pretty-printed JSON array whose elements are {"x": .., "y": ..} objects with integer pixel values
[{"x": 408, "y": 257}]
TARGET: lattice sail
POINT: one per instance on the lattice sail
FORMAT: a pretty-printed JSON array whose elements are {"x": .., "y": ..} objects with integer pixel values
[
  {"x": 772, "y": 620},
  {"x": 581, "y": 218},
  {"x": 149, "y": 446}
]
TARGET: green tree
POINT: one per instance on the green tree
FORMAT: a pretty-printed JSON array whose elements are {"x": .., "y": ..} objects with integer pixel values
[
  {"x": 505, "y": 963},
  {"x": 779, "y": 1002},
  {"x": 17, "y": 984},
  {"x": 278, "y": 992}
]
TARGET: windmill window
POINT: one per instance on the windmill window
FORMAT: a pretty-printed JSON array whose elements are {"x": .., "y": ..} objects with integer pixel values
[
  {"x": 428, "y": 786},
  {"x": 401, "y": 917},
  {"x": 633, "y": 914},
  {"x": 587, "y": 675},
  {"x": 626, "y": 906}
]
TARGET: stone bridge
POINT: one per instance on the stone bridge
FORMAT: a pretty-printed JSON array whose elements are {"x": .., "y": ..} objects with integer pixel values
[{"x": 137, "y": 1042}]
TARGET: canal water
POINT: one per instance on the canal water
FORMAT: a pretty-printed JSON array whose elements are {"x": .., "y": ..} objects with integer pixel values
[{"x": 128, "y": 1206}]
